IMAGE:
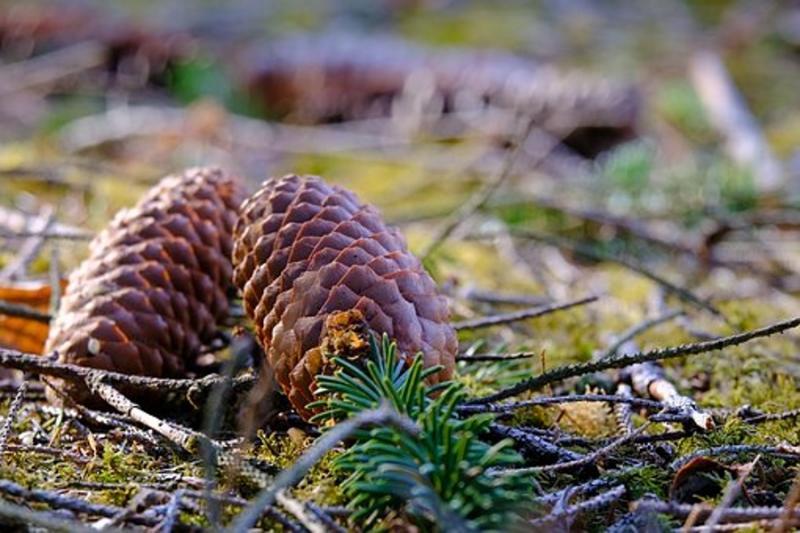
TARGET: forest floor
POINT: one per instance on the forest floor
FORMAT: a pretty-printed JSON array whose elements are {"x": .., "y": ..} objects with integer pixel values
[{"x": 571, "y": 275}]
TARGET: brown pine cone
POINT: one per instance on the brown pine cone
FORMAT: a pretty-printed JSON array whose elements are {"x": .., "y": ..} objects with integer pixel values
[
  {"x": 155, "y": 285},
  {"x": 330, "y": 77},
  {"x": 305, "y": 250}
]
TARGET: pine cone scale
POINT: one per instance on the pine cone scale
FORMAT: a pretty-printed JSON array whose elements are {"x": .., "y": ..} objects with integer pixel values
[{"x": 305, "y": 250}]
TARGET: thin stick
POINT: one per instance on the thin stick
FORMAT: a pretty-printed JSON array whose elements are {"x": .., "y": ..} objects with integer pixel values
[
  {"x": 789, "y": 504},
  {"x": 745, "y": 142},
  {"x": 192, "y": 441},
  {"x": 271, "y": 512},
  {"x": 534, "y": 445},
  {"x": 212, "y": 418},
  {"x": 634, "y": 227},
  {"x": 729, "y": 496},
  {"x": 105, "y": 419},
  {"x": 171, "y": 514},
  {"x": 184, "y": 438},
  {"x": 489, "y": 297},
  {"x": 325, "y": 518},
  {"x": 29, "y": 249},
  {"x": 62, "y": 501},
  {"x": 15, "y": 224},
  {"x": 638, "y": 329},
  {"x": 649, "y": 378},
  {"x": 25, "y": 516},
  {"x": 590, "y": 253},
  {"x": 299, "y": 511},
  {"x": 732, "y": 514},
  {"x": 38, "y": 364},
  {"x": 623, "y": 411},
  {"x": 55, "y": 278},
  {"x": 12, "y": 414},
  {"x": 771, "y": 417},
  {"x": 734, "y": 449},
  {"x": 46, "y": 450},
  {"x": 289, "y": 477},
  {"x": 513, "y": 356},
  {"x": 23, "y": 311},
  {"x": 522, "y": 314},
  {"x": 557, "y": 400},
  {"x": 585, "y": 460},
  {"x": 47, "y": 69},
  {"x": 479, "y": 199},
  {"x": 592, "y": 504},
  {"x": 624, "y": 360},
  {"x": 46, "y": 235}
]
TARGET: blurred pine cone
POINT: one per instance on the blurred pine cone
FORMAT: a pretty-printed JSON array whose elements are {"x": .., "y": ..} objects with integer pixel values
[
  {"x": 155, "y": 285},
  {"x": 305, "y": 250}
]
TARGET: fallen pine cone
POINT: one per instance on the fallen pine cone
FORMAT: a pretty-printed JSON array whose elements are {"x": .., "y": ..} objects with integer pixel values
[
  {"x": 333, "y": 77},
  {"x": 132, "y": 53},
  {"x": 304, "y": 252},
  {"x": 155, "y": 285}
]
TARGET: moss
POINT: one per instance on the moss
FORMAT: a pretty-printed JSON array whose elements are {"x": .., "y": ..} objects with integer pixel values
[
  {"x": 474, "y": 25},
  {"x": 732, "y": 432},
  {"x": 320, "y": 485},
  {"x": 679, "y": 104},
  {"x": 644, "y": 480}
]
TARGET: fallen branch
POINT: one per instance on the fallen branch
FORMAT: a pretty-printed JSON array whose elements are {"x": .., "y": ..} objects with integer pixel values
[
  {"x": 479, "y": 295},
  {"x": 623, "y": 412},
  {"x": 534, "y": 445},
  {"x": 47, "y": 69},
  {"x": 648, "y": 378},
  {"x": 46, "y": 450},
  {"x": 183, "y": 437},
  {"x": 732, "y": 514},
  {"x": 555, "y": 518},
  {"x": 17, "y": 225},
  {"x": 16, "y": 403},
  {"x": 732, "y": 492},
  {"x": 637, "y": 330},
  {"x": 582, "y": 461},
  {"x": 484, "y": 357},
  {"x": 769, "y": 417},
  {"x": 479, "y": 199},
  {"x": 23, "y": 311},
  {"x": 27, "y": 517},
  {"x": 784, "y": 451},
  {"x": 745, "y": 142},
  {"x": 299, "y": 511},
  {"x": 384, "y": 415},
  {"x": 522, "y": 314},
  {"x": 30, "y": 248},
  {"x": 624, "y": 360},
  {"x": 588, "y": 252},
  {"x": 42, "y": 364},
  {"x": 46, "y": 235},
  {"x": 77, "y": 505},
  {"x": 192, "y": 441},
  {"x": 505, "y": 408}
]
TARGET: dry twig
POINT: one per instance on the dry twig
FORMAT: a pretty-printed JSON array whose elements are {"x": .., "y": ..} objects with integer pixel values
[
  {"x": 624, "y": 360},
  {"x": 522, "y": 314},
  {"x": 381, "y": 416}
]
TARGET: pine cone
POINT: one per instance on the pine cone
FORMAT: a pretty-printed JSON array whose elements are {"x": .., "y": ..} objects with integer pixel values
[
  {"x": 330, "y": 77},
  {"x": 154, "y": 287},
  {"x": 304, "y": 250}
]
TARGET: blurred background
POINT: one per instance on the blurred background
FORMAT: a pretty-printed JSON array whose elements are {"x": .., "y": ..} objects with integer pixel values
[
  {"x": 532, "y": 153},
  {"x": 626, "y": 141}
]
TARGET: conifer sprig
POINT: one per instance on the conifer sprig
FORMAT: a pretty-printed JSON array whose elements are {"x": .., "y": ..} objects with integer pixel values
[{"x": 439, "y": 477}]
